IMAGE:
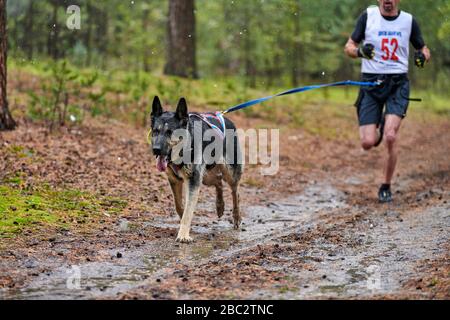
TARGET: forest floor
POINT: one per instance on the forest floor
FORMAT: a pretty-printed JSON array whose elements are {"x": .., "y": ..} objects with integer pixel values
[{"x": 89, "y": 199}]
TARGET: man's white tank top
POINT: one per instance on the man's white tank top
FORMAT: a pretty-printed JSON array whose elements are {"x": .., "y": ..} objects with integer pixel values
[{"x": 391, "y": 42}]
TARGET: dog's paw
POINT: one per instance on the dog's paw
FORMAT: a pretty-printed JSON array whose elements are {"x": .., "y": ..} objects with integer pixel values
[
  {"x": 220, "y": 208},
  {"x": 236, "y": 223},
  {"x": 184, "y": 239}
]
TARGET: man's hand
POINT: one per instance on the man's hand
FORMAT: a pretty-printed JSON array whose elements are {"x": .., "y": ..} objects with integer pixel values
[
  {"x": 419, "y": 59},
  {"x": 422, "y": 56},
  {"x": 367, "y": 51}
]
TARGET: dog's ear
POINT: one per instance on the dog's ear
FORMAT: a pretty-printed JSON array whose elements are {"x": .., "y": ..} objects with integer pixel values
[
  {"x": 157, "y": 109},
  {"x": 182, "y": 110}
]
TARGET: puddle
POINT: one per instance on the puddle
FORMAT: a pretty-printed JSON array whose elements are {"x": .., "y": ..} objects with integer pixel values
[
  {"x": 214, "y": 239},
  {"x": 386, "y": 257}
]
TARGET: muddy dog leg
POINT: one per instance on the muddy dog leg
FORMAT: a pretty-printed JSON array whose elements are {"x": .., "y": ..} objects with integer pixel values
[
  {"x": 220, "y": 204},
  {"x": 177, "y": 190},
  {"x": 232, "y": 175},
  {"x": 191, "y": 189},
  {"x": 236, "y": 213}
]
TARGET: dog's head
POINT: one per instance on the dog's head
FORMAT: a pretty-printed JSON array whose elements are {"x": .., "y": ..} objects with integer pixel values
[{"x": 163, "y": 124}]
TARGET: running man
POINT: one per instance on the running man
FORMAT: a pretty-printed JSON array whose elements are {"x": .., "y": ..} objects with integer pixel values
[{"x": 381, "y": 38}]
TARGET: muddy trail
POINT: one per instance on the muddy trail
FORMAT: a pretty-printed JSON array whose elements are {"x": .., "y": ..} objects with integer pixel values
[
  {"x": 311, "y": 232},
  {"x": 285, "y": 246}
]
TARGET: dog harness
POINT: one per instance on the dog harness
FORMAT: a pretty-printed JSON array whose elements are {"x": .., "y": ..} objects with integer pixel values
[{"x": 207, "y": 116}]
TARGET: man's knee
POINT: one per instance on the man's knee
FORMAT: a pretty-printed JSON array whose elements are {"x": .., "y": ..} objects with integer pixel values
[
  {"x": 368, "y": 135},
  {"x": 390, "y": 137},
  {"x": 391, "y": 130},
  {"x": 368, "y": 142}
]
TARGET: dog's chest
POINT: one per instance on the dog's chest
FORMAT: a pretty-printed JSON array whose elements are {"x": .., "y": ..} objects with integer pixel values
[
  {"x": 210, "y": 177},
  {"x": 180, "y": 171}
]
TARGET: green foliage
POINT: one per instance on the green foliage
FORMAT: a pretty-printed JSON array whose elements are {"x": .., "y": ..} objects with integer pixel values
[
  {"x": 61, "y": 84},
  {"x": 52, "y": 104},
  {"x": 266, "y": 43},
  {"x": 127, "y": 96},
  {"x": 22, "y": 209}
]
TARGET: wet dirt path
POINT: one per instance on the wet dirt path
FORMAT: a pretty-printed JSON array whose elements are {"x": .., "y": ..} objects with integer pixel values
[
  {"x": 314, "y": 231},
  {"x": 376, "y": 260},
  {"x": 214, "y": 239},
  {"x": 361, "y": 253}
]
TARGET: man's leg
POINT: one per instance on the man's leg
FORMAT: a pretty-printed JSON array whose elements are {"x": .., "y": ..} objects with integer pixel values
[
  {"x": 392, "y": 127},
  {"x": 391, "y": 130},
  {"x": 369, "y": 113},
  {"x": 396, "y": 108},
  {"x": 368, "y": 135}
]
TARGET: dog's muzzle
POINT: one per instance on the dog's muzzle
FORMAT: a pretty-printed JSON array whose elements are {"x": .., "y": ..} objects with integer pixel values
[
  {"x": 161, "y": 160},
  {"x": 156, "y": 150},
  {"x": 161, "y": 163}
]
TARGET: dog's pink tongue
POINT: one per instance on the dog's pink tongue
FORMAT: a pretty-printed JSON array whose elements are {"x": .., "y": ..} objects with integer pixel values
[{"x": 161, "y": 163}]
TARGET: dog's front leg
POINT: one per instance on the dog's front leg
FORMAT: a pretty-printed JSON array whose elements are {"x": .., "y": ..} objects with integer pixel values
[
  {"x": 177, "y": 190},
  {"x": 191, "y": 189}
]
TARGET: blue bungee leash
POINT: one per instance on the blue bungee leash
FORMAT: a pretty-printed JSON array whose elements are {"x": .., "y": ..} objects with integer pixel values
[
  {"x": 292, "y": 91},
  {"x": 302, "y": 89}
]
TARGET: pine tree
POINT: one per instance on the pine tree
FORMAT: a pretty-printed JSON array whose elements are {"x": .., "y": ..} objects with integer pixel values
[
  {"x": 181, "y": 53},
  {"x": 6, "y": 120}
]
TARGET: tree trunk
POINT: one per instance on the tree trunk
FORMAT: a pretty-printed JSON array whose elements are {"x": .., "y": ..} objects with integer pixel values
[
  {"x": 52, "y": 40},
  {"x": 28, "y": 39},
  {"x": 146, "y": 49},
  {"x": 250, "y": 70},
  {"x": 181, "y": 59},
  {"x": 88, "y": 35},
  {"x": 6, "y": 121},
  {"x": 296, "y": 46},
  {"x": 101, "y": 36}
]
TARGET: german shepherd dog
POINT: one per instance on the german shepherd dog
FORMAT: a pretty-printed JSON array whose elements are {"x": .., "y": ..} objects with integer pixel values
[{"x": 187, "y": 176}]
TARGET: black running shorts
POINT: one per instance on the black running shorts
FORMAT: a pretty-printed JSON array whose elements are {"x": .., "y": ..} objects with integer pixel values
[{"x": 393, "y": 92}]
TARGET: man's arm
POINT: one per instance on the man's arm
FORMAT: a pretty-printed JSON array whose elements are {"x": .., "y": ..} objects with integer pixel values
[
  {"x": 351, "y": 48},
  {"x": 417, "y": 40}
]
